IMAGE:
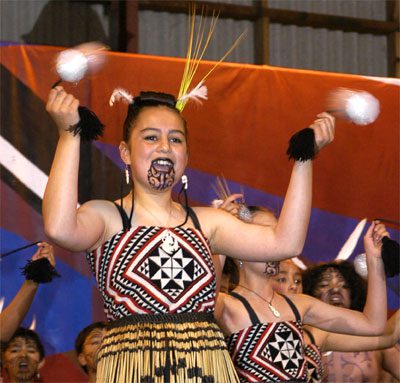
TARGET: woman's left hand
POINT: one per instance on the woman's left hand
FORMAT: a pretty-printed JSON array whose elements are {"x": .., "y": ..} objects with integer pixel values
[
  {"x": 373, "y": 239},
  {"x": 324, "y": 130},
  {"x": 45, "y": 251}
]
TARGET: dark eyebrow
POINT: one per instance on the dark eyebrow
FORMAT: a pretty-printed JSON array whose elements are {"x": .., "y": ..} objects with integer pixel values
[{"x": 158, "y": 130}]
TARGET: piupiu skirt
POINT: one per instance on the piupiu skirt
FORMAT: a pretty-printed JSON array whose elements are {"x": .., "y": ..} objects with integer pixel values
[{"x": 165, "y": 348}]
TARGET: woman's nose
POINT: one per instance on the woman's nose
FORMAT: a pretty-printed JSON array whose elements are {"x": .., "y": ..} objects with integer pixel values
[{"x": 165, "y": 146}]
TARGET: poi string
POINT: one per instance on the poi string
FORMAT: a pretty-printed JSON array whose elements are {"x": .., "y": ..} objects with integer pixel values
[{"x": 19, "y": 249}]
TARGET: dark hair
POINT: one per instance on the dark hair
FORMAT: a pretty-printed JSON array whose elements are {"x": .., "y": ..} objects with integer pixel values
[
  {"x": 148, "y": 99},
  {"x": 357, "y": 285},
  {"x": 26, "y": 334},
  {"x": 84, "y": 333},
  {"x": 230, "y": 270}
]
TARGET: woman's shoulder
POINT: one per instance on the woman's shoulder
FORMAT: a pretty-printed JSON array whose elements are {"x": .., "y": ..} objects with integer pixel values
[
  {"x": 99, "y": 204},
  {"x": 101, "y": 207},
  {"x": 210, "y": 217},
  {"x": 108, "y": 213}
]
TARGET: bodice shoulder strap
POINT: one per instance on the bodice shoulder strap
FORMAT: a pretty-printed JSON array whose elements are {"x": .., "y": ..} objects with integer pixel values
[
  {"x": 293, "y": 307},
  {"x": 252, "y": 314},
  {"x": 124, "y": 217},
  {"x": 194, "y": 218},
  {"x": 310, "y": 335}
]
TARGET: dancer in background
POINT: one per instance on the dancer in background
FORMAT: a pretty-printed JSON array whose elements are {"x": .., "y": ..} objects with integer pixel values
[
  {"x": 360, "y": 359},
  {"x": 22, "y": 357},
  {"x": 87, "y": 345},
  {"x": 264, "y": 329},
  {"x": 287, "y": 279},
  {"x": 13, "y": 315}
]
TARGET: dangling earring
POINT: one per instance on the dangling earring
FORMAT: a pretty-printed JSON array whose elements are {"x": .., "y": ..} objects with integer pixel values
[
  {"x": 127, "y": 175},
  {"x": 240, "y": 264},
  {"x": 185, "y": 182}
]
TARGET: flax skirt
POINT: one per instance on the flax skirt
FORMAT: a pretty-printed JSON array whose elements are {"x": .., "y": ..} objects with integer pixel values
[{"x": 165, "y": 348}]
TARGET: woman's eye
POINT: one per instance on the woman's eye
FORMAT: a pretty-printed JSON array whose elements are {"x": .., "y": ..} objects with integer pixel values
[
  {"x": 297, "y": 281},
  {"x": 282, "y": 280},
  {"x": 150, "y": 138},
  {"x": 176, "y": 140}
]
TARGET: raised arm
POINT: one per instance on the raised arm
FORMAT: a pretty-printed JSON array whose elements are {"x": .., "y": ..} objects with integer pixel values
[
  {"x": 373, "y": 318},
  {"x": 12, "y": 316},
  {"x": 256, "y": 243},
  {"x": 329, "y": 341},
  {"x": 64, "y": 224}
]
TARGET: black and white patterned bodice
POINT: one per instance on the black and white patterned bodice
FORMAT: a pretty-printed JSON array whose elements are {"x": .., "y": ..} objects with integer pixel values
[
  {"x": 155, "y": 270},
  {"x": 269, "y": 352},
  {"x": 315, "y": 366}
]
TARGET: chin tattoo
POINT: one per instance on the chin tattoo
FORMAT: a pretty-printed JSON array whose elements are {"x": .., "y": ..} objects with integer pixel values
[
  {"x": 271, "y": 268},
  {"x": 160, "y": 180}
]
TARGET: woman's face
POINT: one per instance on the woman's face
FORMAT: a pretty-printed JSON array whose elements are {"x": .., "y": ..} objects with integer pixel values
[
  {"x": 22, "y": 360},
  {"x": 157, "y": 148},
  {"x": 333, "y": 289},
  {"x": 90, "y": 349},
  {"x": 288, "y": 279}
]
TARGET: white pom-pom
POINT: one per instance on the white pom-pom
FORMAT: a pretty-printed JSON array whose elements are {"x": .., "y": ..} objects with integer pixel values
[
  {"x": 71, "y": 65},
  {"x": 362, "y": 108},
  {"x": 120, "y": 94},
  {"x": 360, "y": 265}
]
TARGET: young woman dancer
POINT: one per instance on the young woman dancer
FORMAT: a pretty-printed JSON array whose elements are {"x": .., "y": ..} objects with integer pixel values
[
  {"x": 152, "y": 256},
  {"x": 264, "y": 329}
]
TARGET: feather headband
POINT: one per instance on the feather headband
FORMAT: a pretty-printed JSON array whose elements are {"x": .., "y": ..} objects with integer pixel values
[{"x": 197, "y": 45}]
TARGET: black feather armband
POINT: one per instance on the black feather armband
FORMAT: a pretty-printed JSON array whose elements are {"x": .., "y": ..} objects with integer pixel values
[
  {"x": 302, "y": 146},
  {"x": 89, "y": 127},
  {"x": 390, "y": 256},
  {"x": 40, "y": 271}
]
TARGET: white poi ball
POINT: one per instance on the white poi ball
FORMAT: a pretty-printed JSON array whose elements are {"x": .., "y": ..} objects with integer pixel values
[
  {"x": 360, "y": 265},
  {"x": 71, "y": 65},
  {"x": 362, "y": 108}
]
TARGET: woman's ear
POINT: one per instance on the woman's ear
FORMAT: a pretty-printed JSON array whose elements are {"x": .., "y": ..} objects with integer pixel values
[
  {"x": 125, "y": 153},
  {"x": 82, "y": 359},
  {"x": 41, "y": 363}
]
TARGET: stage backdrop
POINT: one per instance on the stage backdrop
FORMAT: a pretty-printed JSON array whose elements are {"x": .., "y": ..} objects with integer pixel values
[{"x": 241, "y": 132}]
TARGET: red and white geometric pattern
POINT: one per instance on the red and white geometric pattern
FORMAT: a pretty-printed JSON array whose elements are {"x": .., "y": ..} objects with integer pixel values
[
  {"x": 269, "y": 352},
  {"x": 315, "y": 366},
  {"x": 155, "y": 270}
]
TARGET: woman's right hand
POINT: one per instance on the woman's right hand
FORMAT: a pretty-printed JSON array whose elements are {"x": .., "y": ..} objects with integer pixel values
[
  {"x": 230, "y": 204},
  {"x": 63, "y": 108}
]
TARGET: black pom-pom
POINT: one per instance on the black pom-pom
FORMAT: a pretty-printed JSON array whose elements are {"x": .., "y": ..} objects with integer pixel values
[
  {"x": 89, "y": 126},
  {"x": 39, "y": 271},
  {"x": 302, "y": 145},
  {"x": 391, "y": 256}
]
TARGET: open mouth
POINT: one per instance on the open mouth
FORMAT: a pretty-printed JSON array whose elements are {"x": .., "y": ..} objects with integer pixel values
[
  {"x": 336, "y": 299},
  {"x": 162, "y": 164},
  {"x": 23, "y": 365}
]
